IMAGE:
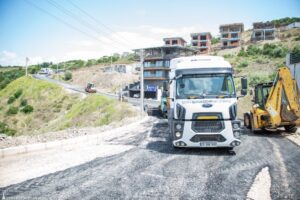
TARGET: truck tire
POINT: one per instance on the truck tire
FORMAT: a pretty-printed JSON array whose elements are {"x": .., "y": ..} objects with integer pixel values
[{"x": 290, "y": 128}]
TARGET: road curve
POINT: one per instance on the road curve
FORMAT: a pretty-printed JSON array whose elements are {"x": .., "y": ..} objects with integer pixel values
[{"x": 152, "y": 169}]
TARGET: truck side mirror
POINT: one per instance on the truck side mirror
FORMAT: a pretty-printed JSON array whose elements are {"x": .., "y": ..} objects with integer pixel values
[{"x": 244, "y": 82}]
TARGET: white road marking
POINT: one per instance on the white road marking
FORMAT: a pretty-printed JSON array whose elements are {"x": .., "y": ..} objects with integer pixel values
[{"x": 260, "y": 189}]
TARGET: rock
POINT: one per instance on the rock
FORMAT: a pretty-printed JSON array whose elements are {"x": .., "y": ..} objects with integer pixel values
[{"x": 3, "y": 136}]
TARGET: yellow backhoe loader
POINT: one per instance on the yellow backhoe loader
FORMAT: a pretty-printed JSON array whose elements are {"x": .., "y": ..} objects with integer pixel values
[{"x": 276, "y": 104}]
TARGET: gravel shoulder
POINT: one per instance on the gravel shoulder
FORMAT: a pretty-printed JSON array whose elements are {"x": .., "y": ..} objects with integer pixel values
[
  {"x": 21, "y": 167},
  {"x": 7, "y": 142}
]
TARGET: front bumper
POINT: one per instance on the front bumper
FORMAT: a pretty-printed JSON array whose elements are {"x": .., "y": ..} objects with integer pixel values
[{"x": 227, "y": 137}]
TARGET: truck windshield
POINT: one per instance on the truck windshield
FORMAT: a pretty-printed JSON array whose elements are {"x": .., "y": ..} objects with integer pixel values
[{"x": 198, "y": 86}]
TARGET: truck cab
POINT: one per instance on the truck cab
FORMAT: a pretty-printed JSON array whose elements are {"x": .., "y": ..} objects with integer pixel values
[{"x": 203, "y": 103}]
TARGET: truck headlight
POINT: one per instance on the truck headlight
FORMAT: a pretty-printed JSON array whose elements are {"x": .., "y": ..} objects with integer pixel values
[{"x": 178, "y": 134}]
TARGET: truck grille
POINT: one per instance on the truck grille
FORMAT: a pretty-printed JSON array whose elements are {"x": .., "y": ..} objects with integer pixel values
[
  {"x": 204, "y": 123},
  {"x": 201, "y": 138}
]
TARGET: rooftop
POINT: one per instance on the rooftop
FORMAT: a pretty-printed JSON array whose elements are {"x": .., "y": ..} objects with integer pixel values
[
  {"x": 233, "y": 24},
  {"x": 200, "y": 33},
  {"x": 259, "y": 25},
  {"x": 166, "y": 47},
  {"x": 174, "y": 38}
]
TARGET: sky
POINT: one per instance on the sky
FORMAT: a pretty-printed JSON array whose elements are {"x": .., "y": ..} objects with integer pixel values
[{"x": 60, "y": 30}]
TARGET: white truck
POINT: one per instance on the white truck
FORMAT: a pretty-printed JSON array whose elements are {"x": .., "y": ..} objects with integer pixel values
[{"x": 202, "y": 104}]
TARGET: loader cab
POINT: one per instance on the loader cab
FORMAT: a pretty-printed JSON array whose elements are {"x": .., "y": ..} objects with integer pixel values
[{"x": 262, "y": 92}]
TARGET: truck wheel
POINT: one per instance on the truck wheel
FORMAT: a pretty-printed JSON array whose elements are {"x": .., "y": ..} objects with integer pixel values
[
  {"x": 247, "y": 121},
  {"x": 290, "y": 128}
]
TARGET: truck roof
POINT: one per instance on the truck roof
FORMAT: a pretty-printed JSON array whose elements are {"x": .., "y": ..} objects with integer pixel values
[{"x": 192, "y": 62}]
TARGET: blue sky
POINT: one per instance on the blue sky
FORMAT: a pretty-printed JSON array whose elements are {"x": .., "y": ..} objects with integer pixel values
[{"x": 26, "y": 30}]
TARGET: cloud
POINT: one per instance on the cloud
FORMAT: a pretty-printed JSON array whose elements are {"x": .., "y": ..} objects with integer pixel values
[
  {"x": 6, "y": 55},
  {"x": 129, "y": 38}
]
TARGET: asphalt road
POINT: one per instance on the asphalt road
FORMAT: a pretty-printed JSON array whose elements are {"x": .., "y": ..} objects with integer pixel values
[
  {"x": 154, "y": 170},
  {"x": 134, "y": 101}
]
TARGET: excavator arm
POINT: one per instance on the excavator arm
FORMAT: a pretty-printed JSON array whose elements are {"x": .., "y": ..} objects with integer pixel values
[{"x": 283, "y": 100}]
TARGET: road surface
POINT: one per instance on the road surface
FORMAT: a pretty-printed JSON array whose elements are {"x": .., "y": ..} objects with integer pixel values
[
  {"x": 134, "y": 101},
  {"x": 152, "y": 169}
]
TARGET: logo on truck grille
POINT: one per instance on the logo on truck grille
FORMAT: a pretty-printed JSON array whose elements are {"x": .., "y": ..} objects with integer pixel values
[{"x": 207, "y": 123}]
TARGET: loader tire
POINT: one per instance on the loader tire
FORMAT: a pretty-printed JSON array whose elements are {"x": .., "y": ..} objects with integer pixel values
[
  {"x": 247, "y": 121},
  {"x": 290, "y": 128}
]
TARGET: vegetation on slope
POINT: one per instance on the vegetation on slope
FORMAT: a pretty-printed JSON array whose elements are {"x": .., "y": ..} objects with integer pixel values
[{"x": 43, "y": 107}]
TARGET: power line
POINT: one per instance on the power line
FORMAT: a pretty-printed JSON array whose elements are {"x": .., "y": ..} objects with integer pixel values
[
  {"x": 80, "y": 20},
  {"x": 99, "y": 22},
  {"x": 64, "y": 22}
]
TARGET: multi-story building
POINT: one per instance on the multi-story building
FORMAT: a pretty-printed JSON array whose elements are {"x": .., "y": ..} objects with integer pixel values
[
  {"x": 201, "y": 41},
  {"x": 231, "y": 34},
  {"x": 175, "y": 41},
  {"x": 263, "y": 31},
  {"x": 156, "y": 66}
]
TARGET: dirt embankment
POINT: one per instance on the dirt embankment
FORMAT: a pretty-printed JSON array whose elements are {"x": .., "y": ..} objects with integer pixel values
[{"x": 104, "y": 81}]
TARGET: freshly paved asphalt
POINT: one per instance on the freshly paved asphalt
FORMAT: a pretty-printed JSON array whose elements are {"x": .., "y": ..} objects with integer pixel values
[{"x": 154, "y": 170}]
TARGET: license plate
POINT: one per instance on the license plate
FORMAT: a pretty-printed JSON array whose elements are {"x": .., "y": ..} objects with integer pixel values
[{"x": 208, "y": 144}]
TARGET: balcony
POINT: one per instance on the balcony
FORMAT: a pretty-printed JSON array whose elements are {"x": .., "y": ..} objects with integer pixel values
[{"x": 155, "y": 75}]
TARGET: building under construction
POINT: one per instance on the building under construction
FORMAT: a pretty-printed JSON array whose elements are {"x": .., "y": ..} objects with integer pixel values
[
  {"x": 201, "y": 41},
  {"x": 263, "y": 31},
  {"x": 157, "y": 65},
  {"x": 231, "y": 35}
]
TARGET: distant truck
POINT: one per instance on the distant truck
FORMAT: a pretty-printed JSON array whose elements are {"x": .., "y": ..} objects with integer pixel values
[
  {"x": 202, "y": 103},
  {"x": 90, "y": 88},
  {"x": 46, "y": 71}
]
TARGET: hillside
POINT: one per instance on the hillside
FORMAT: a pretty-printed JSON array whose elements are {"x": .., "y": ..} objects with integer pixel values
[
  {"x": 259, "y": 61},
  {"x": 105, "y": 82},
  {"x": 30, "y": 106}
]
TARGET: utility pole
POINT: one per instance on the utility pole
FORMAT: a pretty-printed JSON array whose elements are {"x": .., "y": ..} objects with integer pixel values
[
  {"x": 57, "y": 71},
  {"x": 111, "y": 61},
  {"x": 26, "y": 65},
  {"x": 142, "y": 80}
]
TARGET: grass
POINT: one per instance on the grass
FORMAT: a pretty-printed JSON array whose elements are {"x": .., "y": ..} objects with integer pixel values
[
  {"x": 95, "y": 110},
  {"x": 43, "y": 107}
]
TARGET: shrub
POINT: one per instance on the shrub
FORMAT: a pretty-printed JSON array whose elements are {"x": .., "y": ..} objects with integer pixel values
[
  {"x": 27, "y": 109},
  {"x": 243, "y": 64},
  {"x": 253, "y": 50},
  {"x": 6, "y": 130},
  {"x": 23, "y": 102},
  {"x": 18, "y": 93},
  {"x": 268, "y": 49},
  {"x": 242, "y": 53},
  {"x": 296, "y": 49},
  {"x": 68, "y": 76},
  {"x": 12, "y": 110},
  {"x": 11, "y": 99},
  {"x": 259, "y": 78},
  {"x": 279, "y": 52},
  {"x": 297, "y": 38},
  {"x": 215, "y": 40}
]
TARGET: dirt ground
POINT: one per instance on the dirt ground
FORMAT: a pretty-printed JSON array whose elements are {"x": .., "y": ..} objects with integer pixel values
[{"x": 104, "y": 81}]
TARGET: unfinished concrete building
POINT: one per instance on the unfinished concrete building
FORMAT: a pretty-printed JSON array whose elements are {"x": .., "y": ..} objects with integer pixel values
[
  {"x": 263, "y": 31},
  {"x": 175, "y": 41},
  {"x": 231, "y": 35},
  {"x": 201, "y": 41},
  {"x": 157, "y": 67}
]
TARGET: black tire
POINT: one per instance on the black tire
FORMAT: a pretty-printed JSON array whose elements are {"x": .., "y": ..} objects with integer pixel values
[
  {"x": 290, "y": 128},
  {"x": 247, "y": 121}
]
